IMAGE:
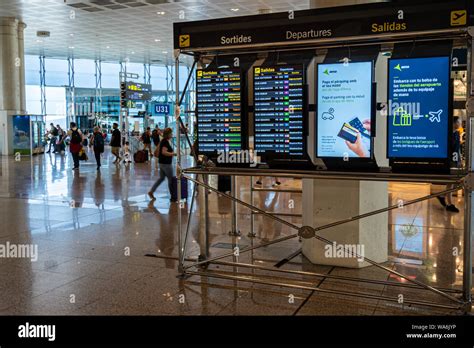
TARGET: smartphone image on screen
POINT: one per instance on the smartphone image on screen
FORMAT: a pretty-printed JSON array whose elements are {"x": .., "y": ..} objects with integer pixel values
[
  {"x": 357, "y": 124},
  {"x": 348, "y": 133}
]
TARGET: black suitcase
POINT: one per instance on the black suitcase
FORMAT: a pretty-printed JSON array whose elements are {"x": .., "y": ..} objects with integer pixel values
[
  {"x": 184, "y": 188},
  {"x": 224, "y": 183}
]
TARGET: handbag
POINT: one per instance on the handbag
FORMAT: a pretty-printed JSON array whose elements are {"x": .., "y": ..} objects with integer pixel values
[{"x": 83, "y": 155}]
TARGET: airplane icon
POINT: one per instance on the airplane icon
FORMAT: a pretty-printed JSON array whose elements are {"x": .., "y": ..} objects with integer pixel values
[
  {"x": 456, "y": 16},
  {"x": 435, "y": 115}
]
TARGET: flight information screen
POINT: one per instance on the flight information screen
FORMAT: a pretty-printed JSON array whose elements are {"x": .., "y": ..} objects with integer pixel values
[
  {"x": 219, "y": 110},
  {"x": 278, "y": 110}
]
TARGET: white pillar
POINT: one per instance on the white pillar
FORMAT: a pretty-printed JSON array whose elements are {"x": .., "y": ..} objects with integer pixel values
[
  {"x": 12, "y": 79},
  {"x": 327, "y": 201}
]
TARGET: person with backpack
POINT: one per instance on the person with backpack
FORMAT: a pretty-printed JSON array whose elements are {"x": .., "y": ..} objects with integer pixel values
[
  {"x": 116, "y": 143},
  {"x": 75, "y": 145},
  {"x": 165, "y": 160},
  {"x": 54, "y": 137},
  {"x": 146, "y": 139},
  {"x": 97, "y": 143}
]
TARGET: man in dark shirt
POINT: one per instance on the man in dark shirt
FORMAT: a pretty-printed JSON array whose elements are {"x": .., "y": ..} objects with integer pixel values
[{"x": 116, "y": 143}]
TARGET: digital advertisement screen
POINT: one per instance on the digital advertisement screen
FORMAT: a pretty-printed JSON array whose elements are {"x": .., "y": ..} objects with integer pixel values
[
  {"x": 344, "y": 99},
  {"x": 219, "y": 110},
  {"x": 418, "y": 107},
  {"x": 278, "y": 114}
]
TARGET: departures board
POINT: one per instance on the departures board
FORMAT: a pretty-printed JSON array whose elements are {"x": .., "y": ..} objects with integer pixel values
[
  {"x": 219, "y": 110},
  {"x": 279, "y": 99}
]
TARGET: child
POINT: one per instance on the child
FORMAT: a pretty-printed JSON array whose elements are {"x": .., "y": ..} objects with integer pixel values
[{"x": 126, "y": 153}]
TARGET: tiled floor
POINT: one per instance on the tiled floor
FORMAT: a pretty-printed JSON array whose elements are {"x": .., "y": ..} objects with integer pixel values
[{"x": 93, "y": 232}]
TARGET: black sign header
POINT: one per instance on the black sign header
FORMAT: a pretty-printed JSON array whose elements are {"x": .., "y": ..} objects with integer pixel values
[{"x": 325, "y": 23}]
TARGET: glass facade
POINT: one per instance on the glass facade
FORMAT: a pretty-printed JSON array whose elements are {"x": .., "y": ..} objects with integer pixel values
[{"x": 99, "y": 106}]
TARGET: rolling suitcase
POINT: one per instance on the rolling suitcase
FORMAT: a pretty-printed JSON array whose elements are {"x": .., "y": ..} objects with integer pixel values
[
  {"x": 140, "y": 156},
  {"x": 184, "y": 188}
]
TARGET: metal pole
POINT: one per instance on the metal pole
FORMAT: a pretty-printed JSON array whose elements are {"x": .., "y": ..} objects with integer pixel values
[
  {"x": 468, "y": 204},
  {"x": 331, "y": 276},
  {"x": 317, "y": 289},
  {"x": 252, "y": 233},
  {"x": 178, "y": 165},
  {"x": 188, "y": 225},
  {"x": 233, "y": 232}
]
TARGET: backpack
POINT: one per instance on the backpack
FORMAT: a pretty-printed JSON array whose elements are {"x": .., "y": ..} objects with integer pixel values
[
  {"x": 76, "y": 137},
  {"x": 98, "y": 141}
]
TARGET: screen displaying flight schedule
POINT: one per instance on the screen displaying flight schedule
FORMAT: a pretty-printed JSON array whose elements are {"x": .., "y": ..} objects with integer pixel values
[
  {"x": 219, "y": 110},
  {"x": 278, "y": 110}
]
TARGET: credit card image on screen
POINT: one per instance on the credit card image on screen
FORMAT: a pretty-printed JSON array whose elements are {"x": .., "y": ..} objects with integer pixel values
[
  {"x": 348, "y": 133},
  {"x": 418, "y": 108},
  {"x": 219, "y": 110},
  {"x": 344, "y": 97}
]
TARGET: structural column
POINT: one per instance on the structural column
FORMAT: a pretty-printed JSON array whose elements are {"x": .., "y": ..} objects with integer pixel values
[
  {"x": 327, "y": 201},
  {"x": 12, "y": 79}
]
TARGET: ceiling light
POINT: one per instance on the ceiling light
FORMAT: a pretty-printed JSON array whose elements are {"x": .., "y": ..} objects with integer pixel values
[
  {"x": 161, "y": 13},
  {"x": 133, "y": 52},
  {"x": 157, "y": 40},
  {"x": 165, "y": 52},
  {"x": 108, "y": 47},
  {"x": 71, "y": 47},
  {"x": 39, "y": 41},
  {"x": 234, "y": 9},
  {"x": 71, "y": 34}
]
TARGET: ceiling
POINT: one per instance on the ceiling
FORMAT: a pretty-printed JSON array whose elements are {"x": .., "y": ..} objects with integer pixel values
[{"x": 119, "y": 30}]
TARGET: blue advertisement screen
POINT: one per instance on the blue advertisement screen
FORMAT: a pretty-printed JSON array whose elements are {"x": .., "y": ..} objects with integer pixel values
[
  {"x": 344, "y": 99},
  {"x": 418, "y": 107}
]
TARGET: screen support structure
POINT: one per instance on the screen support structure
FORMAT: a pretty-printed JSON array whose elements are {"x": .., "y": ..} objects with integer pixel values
[
  {"x": 460, "y": 299},
  {"x": 469, "y": 185}
]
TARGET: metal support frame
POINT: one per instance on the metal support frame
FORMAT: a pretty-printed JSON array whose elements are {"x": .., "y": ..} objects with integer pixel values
[
  {"x": 42, "y": 73},
  {"x": 147, "y": 80},
  {"x": 184, "y": 269},
  {"x": 459, "y": 181},
  {"x": 169, "y": 88},
  {"x": 71, "y": 107},
  {"x": 123, "y": 114},
  {"x": 253, "y": 189},
  {"x": 98, "y": 89}
]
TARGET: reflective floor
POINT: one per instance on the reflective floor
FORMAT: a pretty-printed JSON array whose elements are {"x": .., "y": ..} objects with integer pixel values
[{"x": 105, "y": 249}]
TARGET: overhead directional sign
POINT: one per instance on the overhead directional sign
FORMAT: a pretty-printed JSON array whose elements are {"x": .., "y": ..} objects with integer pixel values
[
  {"x": 138, "y": 91},
  {"x": 325, "y": 23}
]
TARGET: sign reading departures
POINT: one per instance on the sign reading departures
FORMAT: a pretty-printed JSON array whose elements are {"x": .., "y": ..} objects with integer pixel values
[{"x": 296, "y": 27}]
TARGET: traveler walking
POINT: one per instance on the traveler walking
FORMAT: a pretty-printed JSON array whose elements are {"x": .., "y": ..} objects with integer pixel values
[
  {"x": 116, "y": 143},
  {"x": 97, "y": 143},
  {"x": 165, "y": 160},
  {"x": 53, "y": 132},
  {"x": 75, "y": 145}
]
